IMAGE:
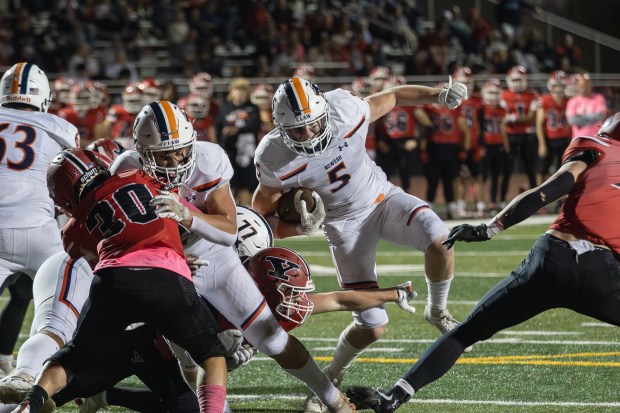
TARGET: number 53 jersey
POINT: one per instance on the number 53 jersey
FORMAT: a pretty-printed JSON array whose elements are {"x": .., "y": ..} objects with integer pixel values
[
  {"x": 343, "y": 175},
  {"x": 28, "y": 142}
]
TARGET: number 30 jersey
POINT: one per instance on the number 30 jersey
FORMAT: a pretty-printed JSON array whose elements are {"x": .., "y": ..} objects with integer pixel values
[
  {"x": 116, "y": 223},
  {"x": 28, "y": 142},
  {"x": 343, "y": 175}
]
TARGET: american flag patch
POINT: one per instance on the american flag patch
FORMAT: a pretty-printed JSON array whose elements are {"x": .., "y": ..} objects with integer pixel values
[{"x": 33, "y": 91}]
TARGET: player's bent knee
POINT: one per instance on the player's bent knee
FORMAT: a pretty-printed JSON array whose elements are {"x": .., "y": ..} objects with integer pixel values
[
  {"x": 60, "y": 339},
  {"x": 274, "y": 343}
]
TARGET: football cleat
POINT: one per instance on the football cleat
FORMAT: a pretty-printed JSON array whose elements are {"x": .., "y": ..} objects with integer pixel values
[
  {"x": 380, "y": 401},
  {"x": 13, "y": 388},
  {"x": 341, "y": 405},
  {"x": 312, "y": 404},
  {"x": 444, "y": 322},
  {"x": 6, "y": 366}
]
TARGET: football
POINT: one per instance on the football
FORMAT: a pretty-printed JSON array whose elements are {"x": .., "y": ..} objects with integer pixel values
[{"x": 286, "y": 209}]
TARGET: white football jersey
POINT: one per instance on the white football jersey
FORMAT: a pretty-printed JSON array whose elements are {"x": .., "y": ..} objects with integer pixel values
[
  {"x": 343, "y": 175},
  {"x": 213, "y": 170},
  {"x": 30, "y": 140}
]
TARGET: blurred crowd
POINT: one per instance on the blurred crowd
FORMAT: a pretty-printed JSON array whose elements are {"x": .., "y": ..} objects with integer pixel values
[{"x": 109, "y": 39}]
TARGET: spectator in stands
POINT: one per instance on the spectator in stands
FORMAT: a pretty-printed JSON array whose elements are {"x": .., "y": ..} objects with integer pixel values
[
  {"x": 509, "y": 17},
  {"x": 586, "y": 111},
  {"x": 82, "y": 65},
  {"x": 480, "y": 30},
  {"x": 569, "y": 51}
]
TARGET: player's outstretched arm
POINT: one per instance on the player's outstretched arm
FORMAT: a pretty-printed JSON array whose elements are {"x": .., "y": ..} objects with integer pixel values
[{"x": 360, "y": 300}]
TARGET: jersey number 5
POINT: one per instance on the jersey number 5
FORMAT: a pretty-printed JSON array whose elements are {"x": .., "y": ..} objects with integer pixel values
[{"x": 334, "y": 177}]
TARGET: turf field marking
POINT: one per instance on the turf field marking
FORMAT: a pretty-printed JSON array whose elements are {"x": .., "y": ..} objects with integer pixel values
[
  {"x": 511, "y": 340},
  {"x": 402, "y": 270},
  {"x": 486, "y": 253},
  {"x": 596, "y": 324},
  {"x": 542, "y": 333},
  {"x": 252, "y": 397}
]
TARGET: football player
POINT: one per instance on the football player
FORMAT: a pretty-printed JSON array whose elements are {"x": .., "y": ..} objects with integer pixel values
[
  {"x": 552, "y": 129},
  {"x": 140, "y": 276},
  {"x": 118, "y": 122},
  {"x": 495, "y": 142},
  {"x": 520, "y": 104},
  {"x": 28, "y": 232},
  {"x": 167, "y": 149},
  {"x": 574, "y": 265},
  {"x": 261, "y": 96},
  {"x": 61, "y": 92},
  {"x": 199, "y": 112},
  {"x": 319, "y": 144},
  {"x": 81, "y": 112}
]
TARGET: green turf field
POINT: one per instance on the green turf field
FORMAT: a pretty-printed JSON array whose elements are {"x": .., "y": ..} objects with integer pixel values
[{"x": 557, "y": 362}]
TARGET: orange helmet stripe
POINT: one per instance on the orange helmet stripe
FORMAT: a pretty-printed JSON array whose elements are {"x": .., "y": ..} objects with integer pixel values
[
  {"x": 170, "y": 119},
  {"x": 16, "y": 75},
  {"x": 301, "y": 95}
]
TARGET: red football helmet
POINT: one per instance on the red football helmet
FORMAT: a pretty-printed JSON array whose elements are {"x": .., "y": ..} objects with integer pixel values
[
  {"x": 517, "y": 79},
  {"x": 107, "y": 149},
  {"x": 151, "y": 90},
  {"x": 198, "y": 106},
  {"x": 570, "y": 89},
  {"x": 557, "y": 83},
  {"x": 72, "y": 174},
  {"x": 361, "y": 87},
  {"x": 464, "y": 75},
  {"x": 305, "y": 72},
  {"x": 202, "y": 84},
  {"x": 284, "y": 278},
  {"x": 62, "y": 89},
  {"x": 378, "y": 77},
  {"x": 492, "y": 92},
  {"x": 132, "y": 98},
  {"x": 611, "y": 127},
  {"x": 81, "y": 94},
  {"x": 262, "y": 95}
]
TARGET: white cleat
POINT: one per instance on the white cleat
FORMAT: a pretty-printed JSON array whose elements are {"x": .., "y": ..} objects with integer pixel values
[
  {"x": 312, "y": 404},
  {"x": 94, "y": 403},
  {"x": 342, "y": 405},
  {"x": 443, "y": 321},
  {"x": 13, "y": 388}
]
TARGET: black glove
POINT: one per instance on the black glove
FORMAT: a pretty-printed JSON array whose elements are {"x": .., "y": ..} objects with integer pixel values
[{"x": 467, "y": 233}]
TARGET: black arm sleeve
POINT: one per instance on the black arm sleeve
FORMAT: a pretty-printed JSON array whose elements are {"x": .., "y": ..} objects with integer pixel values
[{"x": 526, "y": 205}]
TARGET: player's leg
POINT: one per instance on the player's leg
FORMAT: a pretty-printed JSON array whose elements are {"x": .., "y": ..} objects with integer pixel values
[
  {"x": 229, "y": 288},
  {"x": 12, "y": 316}
]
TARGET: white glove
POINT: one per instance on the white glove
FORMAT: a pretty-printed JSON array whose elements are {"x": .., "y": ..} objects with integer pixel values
[
  {"x": 242, "y": 356},
  {"x": 167, "y": 205},
  {"x": 231, "y": 340},
  {"x": 194, "y": 263},
  {"x": 453, "y": 95},
  {"x": 405, "y": 295},
  {"x": 310, "y": 221}
]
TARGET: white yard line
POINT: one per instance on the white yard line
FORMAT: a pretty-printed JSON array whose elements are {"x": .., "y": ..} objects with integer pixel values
[{"x": 510, "y": 340}]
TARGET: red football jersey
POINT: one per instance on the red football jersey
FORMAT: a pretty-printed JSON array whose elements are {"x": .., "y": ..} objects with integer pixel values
[
  {"x": 86, "y": 124},
  {"x": 556, "y": 126},
  {"x": 122, "y": 122},
  {"x": 520, "y": 104},
  {"x": 493, "y": 117},
  {"x": 201, "y": 126},
  {"x": 590, "y": 211},
  {"x": 399, "y": 123},
  {"x": 446, "y": 130},
  {"x": 469, "y": 110},
  {"x": 115, "y": 219}
]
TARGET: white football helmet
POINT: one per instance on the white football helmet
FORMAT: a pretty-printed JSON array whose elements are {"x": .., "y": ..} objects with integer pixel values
[
  {"x": 24, "y": 83},
  {"x": 163, "y": 133},
  {"x": 517, "y": 79},
  {"x": 556, "y": 84},
  {"x": 132, "y": 98},
  {"x": 198, "y": 105},
  {"x": 301, "y": 113},
  {"x": 253, "y": 233},
  {"x": 202, "y": 84},
  {"x": 492, "y": 92}
]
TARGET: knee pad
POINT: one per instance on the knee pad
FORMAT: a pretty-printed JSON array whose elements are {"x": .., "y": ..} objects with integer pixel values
[{"x": 371, "y": 318}]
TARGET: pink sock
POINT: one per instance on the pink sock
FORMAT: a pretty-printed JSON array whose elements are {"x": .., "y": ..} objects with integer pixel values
[{"x": 211, "y": 398}]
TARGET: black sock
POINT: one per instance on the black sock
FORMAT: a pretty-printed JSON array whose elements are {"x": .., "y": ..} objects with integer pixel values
[
  {"x": 138, "y": 399},
  {"x": 37, "y": 396},
  {"x": 400, "y": 394}
]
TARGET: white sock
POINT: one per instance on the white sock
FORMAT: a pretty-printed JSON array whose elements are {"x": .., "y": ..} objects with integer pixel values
[
  {"x": 312, "y": 375},
  {"x": 33, "y": 354},
  {"x": 6, "y": 358},
  {"x": 344, "y": 356},
  {"x": 438, "y": 294}
]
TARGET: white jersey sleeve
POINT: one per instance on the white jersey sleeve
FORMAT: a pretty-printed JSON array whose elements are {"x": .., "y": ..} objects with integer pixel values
[
  {"x": 126, "y": 161},
  {"x": 212, "y": 171},
  {"x": 343, "y": 175},
  {"x": 31, "y": 140}
]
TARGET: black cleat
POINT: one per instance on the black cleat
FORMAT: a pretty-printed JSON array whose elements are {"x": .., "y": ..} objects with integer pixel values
[{"x": 380, "y": 401}]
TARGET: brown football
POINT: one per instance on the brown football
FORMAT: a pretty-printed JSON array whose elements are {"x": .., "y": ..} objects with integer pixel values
[{"x": 286, "y": 209}]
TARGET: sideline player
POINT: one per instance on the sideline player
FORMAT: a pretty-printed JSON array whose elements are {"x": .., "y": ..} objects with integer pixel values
[
  {"x": 319, "y": 144},
  {"x": 573, "y": 265},
  {"x": 167, "y": 149},
  {"x": 29, "y": 234}
]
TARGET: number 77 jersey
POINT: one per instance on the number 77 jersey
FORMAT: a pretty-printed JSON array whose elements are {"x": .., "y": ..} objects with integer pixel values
[{"x": 343, "y": 175}]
